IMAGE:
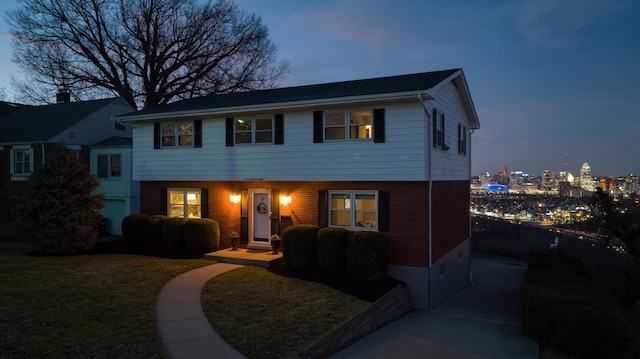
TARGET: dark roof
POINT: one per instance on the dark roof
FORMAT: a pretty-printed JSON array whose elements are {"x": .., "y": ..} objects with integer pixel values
[
  {"x": 40, "y": 123},
  {"x": 115, "y": 141},
  {"x": 380, "y": 85},
  {"x": 9, "y": 107}
]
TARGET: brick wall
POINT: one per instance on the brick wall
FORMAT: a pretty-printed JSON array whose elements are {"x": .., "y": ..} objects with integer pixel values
[{"x": 408, "y": 210}]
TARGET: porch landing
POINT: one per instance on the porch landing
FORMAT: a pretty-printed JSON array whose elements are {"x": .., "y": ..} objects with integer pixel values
[{"x": 249, "y": 257}]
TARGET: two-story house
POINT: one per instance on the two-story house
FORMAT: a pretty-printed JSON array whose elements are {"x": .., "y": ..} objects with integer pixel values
[
  {"x": 388, "y": 154},
  {"x": 31, "y": 132}
]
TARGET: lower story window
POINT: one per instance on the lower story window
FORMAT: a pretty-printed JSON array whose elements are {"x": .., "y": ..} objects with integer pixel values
[
  {"x": 185, "y": 203},
  {"x": 354, "y": 209}
]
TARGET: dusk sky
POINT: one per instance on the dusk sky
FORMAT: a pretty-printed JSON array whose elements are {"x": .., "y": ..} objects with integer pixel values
[{"x": 547, "y": 77}]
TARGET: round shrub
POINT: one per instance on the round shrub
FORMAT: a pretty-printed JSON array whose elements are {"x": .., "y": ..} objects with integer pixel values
[
  {"x": 367, "y": 255},
  {"x": 201, "y": 235},
  {"x": 133, "y": 228},
  {"x": 299, "y": 245},
  {"x": 331, "y": 248},
  {"x": 173, "y": 232},
  {"x": 152, "y": 232}
]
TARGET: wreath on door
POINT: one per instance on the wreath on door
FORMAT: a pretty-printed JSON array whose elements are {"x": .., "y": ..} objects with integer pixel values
[{"x": 262, "y": 208}]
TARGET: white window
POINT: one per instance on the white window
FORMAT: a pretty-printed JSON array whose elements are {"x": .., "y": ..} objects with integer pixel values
[
  {"x": 438, "y": 130},
  {"x": 462, "y": 139},
  {"x": 21, "y": 162},
  {"x": 110, "y": 166},
  {"x": 347, "y": 125},
  {"x": 184, "y": 203},
  {"x": 254, "y": 130},
  {"x": 354, "y": 209},
  {"x": 177, "y": 134}
]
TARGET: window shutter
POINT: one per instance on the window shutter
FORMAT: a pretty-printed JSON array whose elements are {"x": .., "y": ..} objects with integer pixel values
[
  {"x": 318, "y": 126},
  {"x": 279, "y": 129},
  {"x": 163, "y": 201},
  {"x": 378, "y": 125},
  {"x": 244, "y": 217},
  {"x": 230, "y": 132},
  {"x": 156, "y": 135},
  {"x": 12, "y": 165},
  {"x": 444, "y": 145},
  {"x": 434, "y": 128},
  {"x": 383, "y": 211},
  {"x": 197, "y": 133},
  {"x": 204, "y": 203},
  {"x": 275, "y": 212},
  {"x": 323, "y": 209}
]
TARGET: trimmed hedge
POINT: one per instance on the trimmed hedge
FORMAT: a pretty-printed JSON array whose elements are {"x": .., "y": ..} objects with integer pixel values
[
  {"x": 152, "y": 232},
  {"x": 173, "y": 232},
  {"x": 563, "y": 307},
  {"x": 132, "y": 228},
  {"x": 299, "y": 245},
  {"x": 367, "y": 255},
  {"x": 331, "y": 248},
  {"x": 201, "y": 235}
]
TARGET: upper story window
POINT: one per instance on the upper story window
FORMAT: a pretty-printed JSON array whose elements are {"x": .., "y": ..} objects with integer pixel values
[
  {"x": 185, "y": 203},
  {"x": 254, "y": 130},
  {"x": 21, "y": 164},
  {"x": 347, "y": 125},
  {"x": 353, "y": 209},
  {"x": 110, "y": 166},
  {"x": 462, "y": 139},
  {"x": 438, "y": 130},
  {"x": 177, "y": 134}
]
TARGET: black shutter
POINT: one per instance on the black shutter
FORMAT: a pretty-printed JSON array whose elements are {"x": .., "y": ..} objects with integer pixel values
[
  {"x": 163, "y": 201},
  {"x": 383, "y": 211},
  {"x": 275, "y": 212},
  {"x": 318, "y": 126},
  {"x": 197, "y": 133},
  {"x": 156, "y": 135},
  {"x": 378, "y": 125},
  {"x": 323, "y": 209},
  {"x": 244, "y": 217},
  {"x": 279, "y": 129},
  {"x": 204, "y": 203},
  {"x": 230, "y": 131}
]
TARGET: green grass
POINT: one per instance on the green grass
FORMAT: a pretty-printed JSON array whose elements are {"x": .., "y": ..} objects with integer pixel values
[
  {"x": 88, "y": 306},
  {"x": 265, "y": 315}
]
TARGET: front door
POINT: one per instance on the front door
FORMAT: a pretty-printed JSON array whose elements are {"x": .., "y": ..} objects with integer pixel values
[{"x": 260, "y": 218}]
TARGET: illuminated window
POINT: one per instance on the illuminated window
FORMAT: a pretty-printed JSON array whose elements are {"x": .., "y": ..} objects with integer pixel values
[
  {"x": 109, "y": 166},
  {"x": 253, "y": 130},
  {"x": 184, "y": 203},
  {"x": 177, "y": 134},
  {"x": 347, "y": 125},
  {"x": 354, "y": 209}
]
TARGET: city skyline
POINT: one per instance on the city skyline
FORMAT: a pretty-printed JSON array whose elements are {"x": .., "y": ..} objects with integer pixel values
[{"x": 547, "y": 77}]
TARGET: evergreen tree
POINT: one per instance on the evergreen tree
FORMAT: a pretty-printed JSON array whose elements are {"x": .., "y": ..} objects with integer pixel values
[{"x": 60, "y": 213}]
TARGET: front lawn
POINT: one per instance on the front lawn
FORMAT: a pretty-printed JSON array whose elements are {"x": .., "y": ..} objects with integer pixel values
[{"x": 88, "y": 306}]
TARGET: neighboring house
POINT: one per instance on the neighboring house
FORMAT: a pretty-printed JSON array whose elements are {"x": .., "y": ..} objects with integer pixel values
[
  {"x": 387, "y": 154},
  {"x": 111, "y": 162},
  {"x": 29, "y": 133}
]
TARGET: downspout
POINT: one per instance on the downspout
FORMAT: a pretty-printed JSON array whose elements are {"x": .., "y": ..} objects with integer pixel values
[
  {"x": 470, "y": 225},
  {"x": 429, "y": 201}
]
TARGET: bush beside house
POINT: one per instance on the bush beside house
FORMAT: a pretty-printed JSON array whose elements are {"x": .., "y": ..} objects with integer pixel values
[
  {"x": 331, "y": 248},
  {"x": 299, "y": 245}
]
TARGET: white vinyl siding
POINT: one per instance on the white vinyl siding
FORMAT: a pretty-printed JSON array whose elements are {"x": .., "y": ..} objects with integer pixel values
[{"x": 404, "y": 155}]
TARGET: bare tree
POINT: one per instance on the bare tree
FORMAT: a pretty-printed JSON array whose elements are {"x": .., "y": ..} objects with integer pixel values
[{"x": 149, "y": 52}]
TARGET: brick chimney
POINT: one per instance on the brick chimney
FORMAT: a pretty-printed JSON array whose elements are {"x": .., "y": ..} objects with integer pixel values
[{"x": 63, "y": 96}]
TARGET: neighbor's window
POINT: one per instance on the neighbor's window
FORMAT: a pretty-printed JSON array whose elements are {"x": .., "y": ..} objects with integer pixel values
[
  {"x": 109, "y": 166},
  {"x": 354, "y": 209},
  {"x": 177, "y": 134},
  {"x": 184, "y": 203},
  {"x": 347, "y": 125},
  {"x": 462, "y": 139},
  {"x": 254, "y": 130},
  {"x": 22, "y": 161},
  {"x": 438, "y": 129}
]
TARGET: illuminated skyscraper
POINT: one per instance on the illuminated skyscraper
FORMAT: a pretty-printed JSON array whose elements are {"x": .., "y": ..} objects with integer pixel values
[{"x": 586, "y": 179}]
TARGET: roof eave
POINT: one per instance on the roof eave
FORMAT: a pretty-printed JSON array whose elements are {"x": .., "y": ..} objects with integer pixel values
[{"x": 279, "y": 106}]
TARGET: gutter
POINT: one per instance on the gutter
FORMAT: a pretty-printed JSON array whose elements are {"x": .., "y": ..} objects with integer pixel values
[{"x": 430, "y": 188}]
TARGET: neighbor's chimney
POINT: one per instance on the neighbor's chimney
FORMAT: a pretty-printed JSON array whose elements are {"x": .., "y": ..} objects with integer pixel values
[{"x": 63, "y": 96}]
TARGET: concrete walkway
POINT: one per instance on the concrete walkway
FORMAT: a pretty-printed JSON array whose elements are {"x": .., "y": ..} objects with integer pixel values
[
  {"x": 184, "y": 330},
  {"x": 481, "y": 321}
]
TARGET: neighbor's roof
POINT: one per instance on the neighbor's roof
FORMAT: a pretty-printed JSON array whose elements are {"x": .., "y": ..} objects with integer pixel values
[
  {"x": 115, "y": 141},
  {"x": 375, "y": 86},
  {"x": 40, "y": 123}
]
